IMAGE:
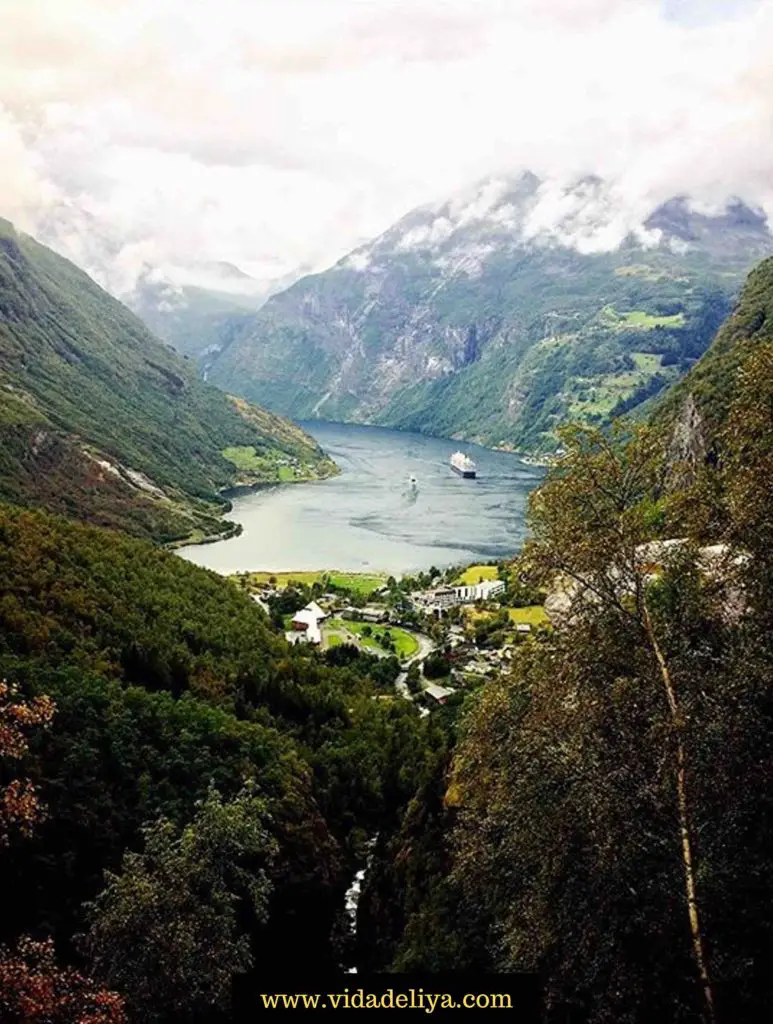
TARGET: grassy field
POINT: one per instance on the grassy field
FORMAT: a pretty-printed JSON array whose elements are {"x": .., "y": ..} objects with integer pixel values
[
  {"x": 646, "y": 321},
  {"x": 244, "y": 457},
  {"x": 406, "y": 643},
  {"x": 268, "y": 465},
  {"x": 476, "y": 573},
  {"x": 534, "y": 615},
  {"x": 360, "y": 583},
  {"x": 648, "y": 362},
  {"x": 599, "y": 395},
  {"x": 638, "y": 318}
]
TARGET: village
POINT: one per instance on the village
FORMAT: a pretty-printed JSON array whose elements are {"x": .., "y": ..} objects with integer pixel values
[{"x": 440, "y": 633}]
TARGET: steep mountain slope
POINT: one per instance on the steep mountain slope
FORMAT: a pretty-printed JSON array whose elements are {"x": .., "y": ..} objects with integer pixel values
[
  {"x": 196, "y": 319},
  {"x": 499, "y": 314},
  {"x": 100, "y": 420},
  {"x": 698, "y": 405}
]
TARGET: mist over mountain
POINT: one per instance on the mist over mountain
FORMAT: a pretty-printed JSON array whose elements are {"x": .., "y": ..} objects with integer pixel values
[
  {"x": 192, "y": 309},
  {"x": 501, "y": 313}
]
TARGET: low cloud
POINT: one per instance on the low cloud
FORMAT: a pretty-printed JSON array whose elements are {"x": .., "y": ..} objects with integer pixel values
[{"x": 286, "y": 132}]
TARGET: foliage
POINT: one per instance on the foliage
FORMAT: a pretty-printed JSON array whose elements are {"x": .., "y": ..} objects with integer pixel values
[
  {"x": 34, "y": 989},
  {"x": 167, "y": 677},
  {"x": 600, "y": 837},
  {"x": 436, "y": 665},
  {"x": 166, "y": 930},
  {"x": 19, "y": 805},
  {"x": 90, "y": 399}
]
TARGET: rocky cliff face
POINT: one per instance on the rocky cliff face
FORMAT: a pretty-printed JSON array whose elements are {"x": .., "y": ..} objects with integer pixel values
[
  {"x": 499, "y": 314},
  {"x": 688, "y": 448},
  {"x": 695, "y": 411}
]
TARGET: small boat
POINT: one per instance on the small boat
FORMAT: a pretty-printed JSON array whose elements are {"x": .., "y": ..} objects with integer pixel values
[{"x": 412, "y": 480}]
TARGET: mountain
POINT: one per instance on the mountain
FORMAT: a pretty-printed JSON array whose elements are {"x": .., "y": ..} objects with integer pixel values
[
  {"x": 194, "y": 315},
  {"x": 499, "y": 314},
  {"x": 100, "y": 420},
  {"x": 697, "y": 407}
]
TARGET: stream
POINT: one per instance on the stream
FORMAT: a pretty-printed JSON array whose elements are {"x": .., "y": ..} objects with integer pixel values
[{"x": 353, "y": 894}]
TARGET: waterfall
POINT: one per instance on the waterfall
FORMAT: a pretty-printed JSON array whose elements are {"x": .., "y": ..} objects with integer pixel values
[{"x": 353, "y": 893}]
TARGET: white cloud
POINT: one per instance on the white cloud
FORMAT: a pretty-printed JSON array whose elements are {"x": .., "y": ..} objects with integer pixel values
[{"x": 270, "y": 133}]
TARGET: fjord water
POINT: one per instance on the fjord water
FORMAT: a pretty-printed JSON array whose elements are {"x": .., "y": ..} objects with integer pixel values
[{"x": 371, "y": 517}]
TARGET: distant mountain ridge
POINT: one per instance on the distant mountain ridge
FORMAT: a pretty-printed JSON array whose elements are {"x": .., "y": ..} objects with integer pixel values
[
  {"x": 499, "y": 314},
  {"x": 200, "y": 314},
  {"x": 100, "y": 420}
]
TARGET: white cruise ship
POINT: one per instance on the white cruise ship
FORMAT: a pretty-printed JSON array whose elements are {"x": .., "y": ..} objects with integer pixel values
[{"x": 463, "y": 465}]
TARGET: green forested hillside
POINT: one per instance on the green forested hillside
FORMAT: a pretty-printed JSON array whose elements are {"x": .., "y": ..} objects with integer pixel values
[
  {"x": 167, "y": 680},
  {"x": 606, "y": 817},
  {"x": 713, "y": 381},
  {"x": 100, "y": 420},
  {"x": 473, "y": 319}
]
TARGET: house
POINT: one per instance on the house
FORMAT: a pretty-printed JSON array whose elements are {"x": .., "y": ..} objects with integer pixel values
[
  {"x": 522, "y": 627},
  {"x": 305, "y": 625},
  {"x": 313, "y": 607},
  {"x": 447, "y": 597},
  {"x": 374, "y": 613},
  {"x": 439, "y": 694},
  {"x": 370, "y": 613},
  {"x": 443, "y": 597},
  {"x": 482, "y": 591}
]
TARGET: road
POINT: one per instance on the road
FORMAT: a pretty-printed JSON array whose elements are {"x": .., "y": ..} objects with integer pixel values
[{"x": 426, "y": 647}]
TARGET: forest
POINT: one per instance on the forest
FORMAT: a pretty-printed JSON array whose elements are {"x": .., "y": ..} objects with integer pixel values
[
  {"x": 605, "y": 815},
  {"x": 154, "y": 727},
  {"x": 185, "y": 798}
]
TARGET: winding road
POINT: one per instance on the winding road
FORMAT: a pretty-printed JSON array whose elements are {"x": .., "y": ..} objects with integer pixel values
[{"x": 426, "y": 647}]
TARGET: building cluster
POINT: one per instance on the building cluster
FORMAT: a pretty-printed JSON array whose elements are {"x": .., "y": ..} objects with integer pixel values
[{"x": 438, "y": 600}]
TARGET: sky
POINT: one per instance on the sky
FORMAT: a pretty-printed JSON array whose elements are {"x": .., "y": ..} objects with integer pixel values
[{"x": 280, "y": 134}]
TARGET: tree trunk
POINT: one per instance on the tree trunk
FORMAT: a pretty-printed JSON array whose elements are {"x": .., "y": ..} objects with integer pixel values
[{"x": 684, "y": 821}]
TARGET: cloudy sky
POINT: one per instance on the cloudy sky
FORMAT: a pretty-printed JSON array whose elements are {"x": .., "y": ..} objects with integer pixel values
[{"x": 279, "y": 133}]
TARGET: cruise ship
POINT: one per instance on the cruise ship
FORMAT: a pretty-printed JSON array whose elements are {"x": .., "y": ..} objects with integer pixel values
[{"x": 463, "y": 465}]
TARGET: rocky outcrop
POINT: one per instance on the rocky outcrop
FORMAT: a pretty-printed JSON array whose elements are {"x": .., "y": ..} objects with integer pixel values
[{"x": 688, "y": 448}]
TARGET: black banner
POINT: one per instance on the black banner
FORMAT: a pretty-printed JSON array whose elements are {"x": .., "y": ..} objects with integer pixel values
[{"x": 514, "y": 997}]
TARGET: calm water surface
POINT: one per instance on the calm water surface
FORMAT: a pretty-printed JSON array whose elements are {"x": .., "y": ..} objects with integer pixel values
[{"x": 371, "y": 517}]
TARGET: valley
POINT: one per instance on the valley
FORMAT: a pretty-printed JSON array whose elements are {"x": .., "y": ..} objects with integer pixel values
[
  {"x": 470, "y": 703},
  {"x": 485, "y": 319},
  {"x": 370, "y": 518},
  {"x": 386, "y": 510}
]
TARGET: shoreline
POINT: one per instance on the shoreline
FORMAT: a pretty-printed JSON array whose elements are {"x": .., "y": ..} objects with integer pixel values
[
  {"x": 242, "y": 490},
  {"x": 544, "y": 461}
]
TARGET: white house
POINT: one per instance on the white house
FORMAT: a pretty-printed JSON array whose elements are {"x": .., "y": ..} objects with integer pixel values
[
  {"x": 482, "y": 591},
  {"x": 305, "y": 625},
  {"x": 312, "y": 606}
]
